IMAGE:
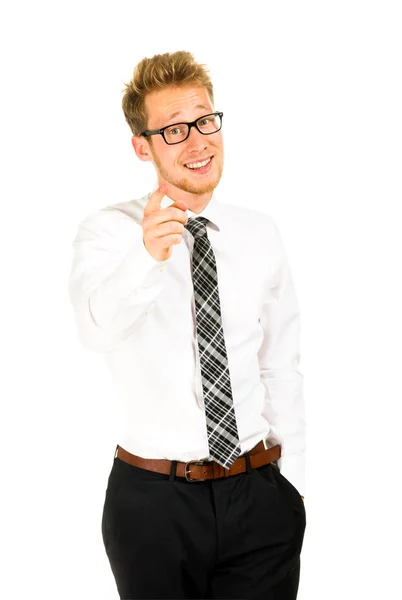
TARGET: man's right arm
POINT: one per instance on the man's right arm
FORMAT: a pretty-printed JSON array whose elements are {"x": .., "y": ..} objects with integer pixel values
[{"x": 113, "y": 279}]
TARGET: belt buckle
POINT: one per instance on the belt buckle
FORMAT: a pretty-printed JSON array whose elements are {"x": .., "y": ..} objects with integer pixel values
[{"x": 194, "y": 462}]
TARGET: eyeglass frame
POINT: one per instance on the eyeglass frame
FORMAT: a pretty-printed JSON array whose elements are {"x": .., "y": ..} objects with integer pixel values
[{"x": 190, "y": 124}]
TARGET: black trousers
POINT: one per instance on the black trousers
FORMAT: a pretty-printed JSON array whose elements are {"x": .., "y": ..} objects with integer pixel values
[{"x": 238, "y": 537}]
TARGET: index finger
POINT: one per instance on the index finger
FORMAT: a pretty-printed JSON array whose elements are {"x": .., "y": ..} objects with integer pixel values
[{"x": 155, "y": 199}]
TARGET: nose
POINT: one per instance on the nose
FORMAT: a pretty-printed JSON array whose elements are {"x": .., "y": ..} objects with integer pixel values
[{"x": 196, "y": 140}]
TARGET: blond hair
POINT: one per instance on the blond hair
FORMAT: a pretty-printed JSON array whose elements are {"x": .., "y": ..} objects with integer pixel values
[{"x": 156, "y": 73}]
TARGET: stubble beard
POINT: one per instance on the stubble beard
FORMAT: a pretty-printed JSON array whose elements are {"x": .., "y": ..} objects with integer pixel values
[{"x": 184, "y": 184}]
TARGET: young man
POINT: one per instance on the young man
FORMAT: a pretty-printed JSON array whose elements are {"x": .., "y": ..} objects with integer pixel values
[{"x": 192, "y": 304}]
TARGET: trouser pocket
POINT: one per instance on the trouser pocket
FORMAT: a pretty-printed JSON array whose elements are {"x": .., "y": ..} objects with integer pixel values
[{"x": 110, "y": 506}]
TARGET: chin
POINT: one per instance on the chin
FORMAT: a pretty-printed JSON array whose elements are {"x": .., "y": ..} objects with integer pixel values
[{"x": 199, "y": 189}]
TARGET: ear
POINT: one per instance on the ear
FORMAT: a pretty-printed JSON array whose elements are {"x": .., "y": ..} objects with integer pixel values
[{"x": 141, "y": 147}]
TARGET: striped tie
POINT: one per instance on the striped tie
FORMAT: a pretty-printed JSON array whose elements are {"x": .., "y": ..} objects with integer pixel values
[{"x": 223, "y": 437}]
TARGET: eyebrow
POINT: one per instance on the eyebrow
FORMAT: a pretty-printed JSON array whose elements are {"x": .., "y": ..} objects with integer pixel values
[{"x": 175, "y": 114}]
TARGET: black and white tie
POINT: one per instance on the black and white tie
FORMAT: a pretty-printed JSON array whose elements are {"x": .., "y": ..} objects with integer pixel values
[{"x": 223, "y": 437}]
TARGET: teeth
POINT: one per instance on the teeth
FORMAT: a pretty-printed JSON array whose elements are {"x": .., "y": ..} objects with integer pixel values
[{"x": 198, "y": 165}]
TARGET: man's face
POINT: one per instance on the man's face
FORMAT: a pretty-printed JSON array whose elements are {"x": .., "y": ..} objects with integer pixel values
[{"x": 174, "y": 105}]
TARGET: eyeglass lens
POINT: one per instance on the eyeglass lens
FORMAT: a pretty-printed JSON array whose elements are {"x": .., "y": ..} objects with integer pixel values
[{"x": 178, "y": 133}]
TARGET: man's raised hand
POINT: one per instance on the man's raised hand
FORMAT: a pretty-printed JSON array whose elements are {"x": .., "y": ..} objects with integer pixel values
[{"x": 163, "y": 227}]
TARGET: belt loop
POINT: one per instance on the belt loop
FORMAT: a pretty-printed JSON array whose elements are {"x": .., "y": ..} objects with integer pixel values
[
  {"x": 115, "y": 452},
  {"x": 173, "y": 470},
  {"x": 247, "y": 457}
]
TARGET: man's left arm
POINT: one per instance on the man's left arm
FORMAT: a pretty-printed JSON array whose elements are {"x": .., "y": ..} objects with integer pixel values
[{"x": 279, "y": 357}]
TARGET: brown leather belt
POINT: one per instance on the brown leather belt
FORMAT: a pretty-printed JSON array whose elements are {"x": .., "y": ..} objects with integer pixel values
[{"x": 202, "y": 470}]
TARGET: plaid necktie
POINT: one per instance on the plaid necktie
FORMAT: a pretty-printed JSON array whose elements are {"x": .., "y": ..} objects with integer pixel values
[{"x": 223, "y": 437}]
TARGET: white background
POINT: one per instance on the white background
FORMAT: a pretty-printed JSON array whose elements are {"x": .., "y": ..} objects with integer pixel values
[{"x": 312, "y": 98}]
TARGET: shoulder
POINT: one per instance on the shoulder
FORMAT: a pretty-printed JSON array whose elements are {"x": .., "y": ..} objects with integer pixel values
[{"x": 115, "y": 221}]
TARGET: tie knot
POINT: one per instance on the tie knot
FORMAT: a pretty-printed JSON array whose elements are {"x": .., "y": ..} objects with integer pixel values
[{"x": 197, "y": 226}]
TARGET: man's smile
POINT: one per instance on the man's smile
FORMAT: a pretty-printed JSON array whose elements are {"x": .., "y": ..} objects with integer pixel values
[{"x": 200, "y": 166}]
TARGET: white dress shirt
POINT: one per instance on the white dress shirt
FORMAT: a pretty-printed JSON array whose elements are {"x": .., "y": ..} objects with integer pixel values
[{"x": 140, "y": 314}]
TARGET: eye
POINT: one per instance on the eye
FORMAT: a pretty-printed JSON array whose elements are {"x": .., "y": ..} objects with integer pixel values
[{"x": 175, "y": 130}]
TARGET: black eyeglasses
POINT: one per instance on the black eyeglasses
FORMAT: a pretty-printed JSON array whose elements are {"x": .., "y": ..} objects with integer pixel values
[{"x": 179, "y": 132}]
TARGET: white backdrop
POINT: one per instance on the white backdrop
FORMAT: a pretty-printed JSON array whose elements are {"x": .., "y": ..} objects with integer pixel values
[{"x": 320, "y": 83}]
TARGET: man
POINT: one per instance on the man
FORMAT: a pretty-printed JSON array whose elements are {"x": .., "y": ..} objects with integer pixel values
[{"x": 192, "y": 304}]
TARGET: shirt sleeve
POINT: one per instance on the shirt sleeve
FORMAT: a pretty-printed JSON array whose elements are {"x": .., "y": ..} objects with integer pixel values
[
  {"x": 113, "y": 279},
  {"x": 279, "y": 357}
]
